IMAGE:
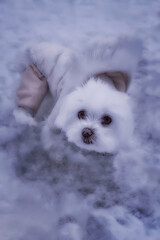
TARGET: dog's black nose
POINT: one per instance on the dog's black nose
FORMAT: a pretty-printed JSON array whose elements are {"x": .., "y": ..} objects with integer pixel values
[{"x": 87, "y": 133}]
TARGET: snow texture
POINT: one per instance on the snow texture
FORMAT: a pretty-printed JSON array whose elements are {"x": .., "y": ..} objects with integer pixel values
[{"x": 111, "y": 197}]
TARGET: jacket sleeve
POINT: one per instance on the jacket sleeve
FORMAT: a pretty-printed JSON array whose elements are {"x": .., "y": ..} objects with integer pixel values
[
  {"x": 32, "y": 89},
  {"x": 42, "y": 66}
]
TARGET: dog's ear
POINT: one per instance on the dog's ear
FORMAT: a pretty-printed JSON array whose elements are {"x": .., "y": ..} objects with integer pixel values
[{"x": 120, "y": 80}]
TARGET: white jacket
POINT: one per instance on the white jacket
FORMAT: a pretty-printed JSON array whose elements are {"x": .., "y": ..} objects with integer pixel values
[{"x": 66, "y": 69}]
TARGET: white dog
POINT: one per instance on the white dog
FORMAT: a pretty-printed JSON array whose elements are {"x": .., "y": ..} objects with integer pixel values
[{"x": 92, "y": 106}]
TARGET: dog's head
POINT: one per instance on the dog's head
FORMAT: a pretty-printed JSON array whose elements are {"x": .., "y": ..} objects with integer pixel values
[{"x": 96, "y": 117}]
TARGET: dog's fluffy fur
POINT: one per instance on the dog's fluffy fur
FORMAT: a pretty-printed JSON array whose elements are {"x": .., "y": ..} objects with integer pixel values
[
  {"x": 75, "y": 79},
  {"x": 94, "y": 80},
  {"x": 97, "y": 99}
]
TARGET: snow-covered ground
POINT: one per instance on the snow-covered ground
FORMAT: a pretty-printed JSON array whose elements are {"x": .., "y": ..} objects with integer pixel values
[{"x": 112, "y": 197}]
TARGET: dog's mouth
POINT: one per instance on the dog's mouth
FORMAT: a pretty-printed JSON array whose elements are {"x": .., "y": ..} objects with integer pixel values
[{"x": 87, "y": 141}]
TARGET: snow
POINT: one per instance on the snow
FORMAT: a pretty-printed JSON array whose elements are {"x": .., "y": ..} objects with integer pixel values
[{"x": 118, "y": 195}]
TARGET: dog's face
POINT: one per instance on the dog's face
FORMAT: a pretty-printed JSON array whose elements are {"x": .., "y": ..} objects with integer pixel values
[{"x": 96, "y": 117}]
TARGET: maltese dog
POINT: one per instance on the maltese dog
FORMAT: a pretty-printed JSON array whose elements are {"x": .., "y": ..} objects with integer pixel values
[
  {"x": 92, "y": 106},
  {"x": 96, "y": 116}
]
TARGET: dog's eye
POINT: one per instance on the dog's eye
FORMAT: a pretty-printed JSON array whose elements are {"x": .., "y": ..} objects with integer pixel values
[
  {"x": 82, "y": 114},
  {"x": 106, "y": 120}
]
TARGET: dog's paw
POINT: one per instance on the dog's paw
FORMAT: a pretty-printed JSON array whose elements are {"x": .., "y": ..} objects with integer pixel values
[{"x": 24, "y": 117}]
